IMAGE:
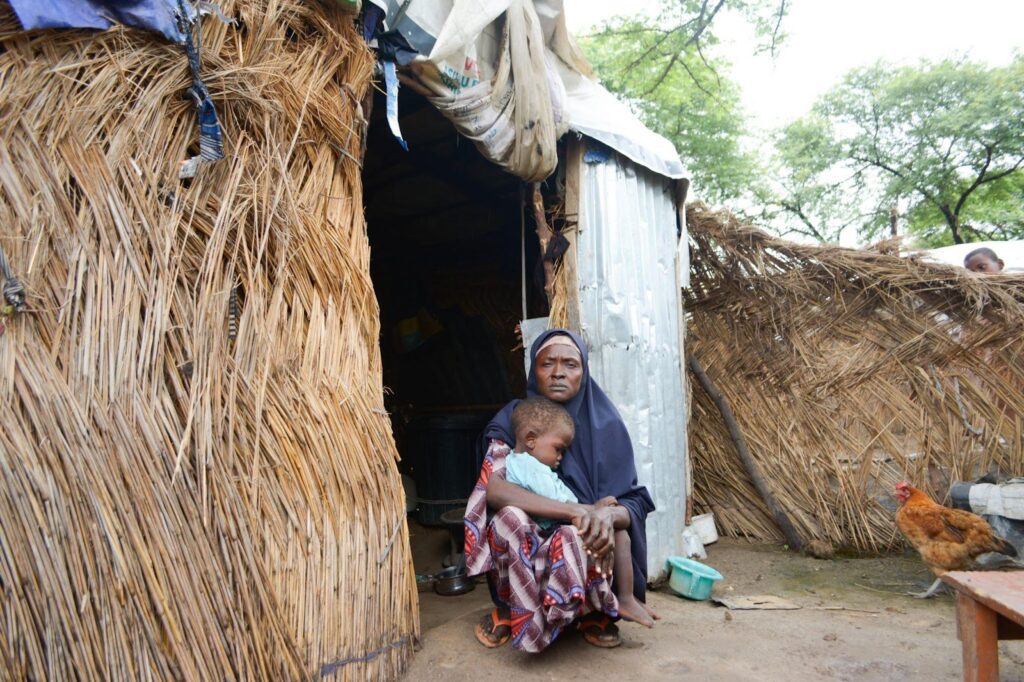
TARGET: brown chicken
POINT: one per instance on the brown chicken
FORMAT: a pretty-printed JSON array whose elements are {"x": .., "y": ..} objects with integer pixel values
[{"x": 947, "y": 539}]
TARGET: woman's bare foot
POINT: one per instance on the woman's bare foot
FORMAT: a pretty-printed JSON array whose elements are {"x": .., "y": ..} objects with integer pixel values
[
  {"x": 633, "y": 610},
  {"x": 650, "y": 611}
]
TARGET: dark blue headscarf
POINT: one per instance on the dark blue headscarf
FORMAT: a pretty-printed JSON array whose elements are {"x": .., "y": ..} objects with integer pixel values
[{"x": 600, "y": 460}]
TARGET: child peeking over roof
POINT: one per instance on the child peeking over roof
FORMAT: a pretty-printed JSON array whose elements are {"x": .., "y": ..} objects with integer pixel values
[{"x": 983, "y": 260}]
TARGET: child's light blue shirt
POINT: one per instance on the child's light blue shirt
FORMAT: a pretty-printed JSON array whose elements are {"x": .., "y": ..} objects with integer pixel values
[{"x": 522, "y": 469}]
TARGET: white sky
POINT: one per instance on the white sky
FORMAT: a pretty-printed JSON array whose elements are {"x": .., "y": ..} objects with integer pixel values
[{"x": 827, "y": 38}]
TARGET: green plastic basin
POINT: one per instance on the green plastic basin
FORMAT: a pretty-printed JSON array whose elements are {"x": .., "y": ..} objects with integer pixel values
[{"x": 691, "y": 579}]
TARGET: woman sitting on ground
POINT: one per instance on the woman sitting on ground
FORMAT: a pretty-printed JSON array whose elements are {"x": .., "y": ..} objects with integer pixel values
[{"x": 542, "y": 581}]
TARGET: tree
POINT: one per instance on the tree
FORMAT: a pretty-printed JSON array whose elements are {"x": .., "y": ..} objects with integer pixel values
[
  {"x": 790, "y": 196},
  {"x": 660, "y": 66},
  {"x": 944, "y": 142},
  {"x": 684, "y": 26},
  {"x": 682, "y": 96}
]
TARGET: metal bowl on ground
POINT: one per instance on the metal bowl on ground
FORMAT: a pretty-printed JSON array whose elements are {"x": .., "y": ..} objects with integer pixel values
[{"x": 453, "y": 581}]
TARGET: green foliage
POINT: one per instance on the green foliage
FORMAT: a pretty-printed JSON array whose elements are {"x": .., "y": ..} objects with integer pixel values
[
  {"x": 790, "y": 196},
  {"x": 944, "y": 143},
  {"x": 679, "y": 94}
]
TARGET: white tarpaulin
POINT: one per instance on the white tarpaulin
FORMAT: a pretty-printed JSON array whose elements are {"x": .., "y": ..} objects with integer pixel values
[
  {"x": 1006, "y": 499},
  {"x": 1010, "y": 252},
  {"x": 509, "y": 77}
]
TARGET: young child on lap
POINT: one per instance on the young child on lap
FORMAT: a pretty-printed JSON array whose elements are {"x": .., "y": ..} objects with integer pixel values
[{"x": 544, "y": 431}]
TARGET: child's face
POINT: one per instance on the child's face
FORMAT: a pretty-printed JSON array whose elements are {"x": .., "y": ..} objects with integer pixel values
[
  {"x": 549, "y": 446},
  {"x": 983, "y": 263}
]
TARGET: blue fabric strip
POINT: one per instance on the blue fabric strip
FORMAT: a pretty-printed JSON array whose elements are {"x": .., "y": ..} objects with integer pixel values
[
  {"x": 334, "y": 666},
  {"x": 391, "y": 81},
  {"x": 150, "y": 15},
  {"x": 211, "y": 146}
]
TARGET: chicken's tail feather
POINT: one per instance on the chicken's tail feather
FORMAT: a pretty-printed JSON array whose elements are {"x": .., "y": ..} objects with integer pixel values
[{"x": 1004, "y": 547}]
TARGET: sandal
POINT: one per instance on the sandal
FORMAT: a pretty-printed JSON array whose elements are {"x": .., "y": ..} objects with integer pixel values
[
  {"x": 488, "y": 628},
  {"x": 600, "y": 632}
]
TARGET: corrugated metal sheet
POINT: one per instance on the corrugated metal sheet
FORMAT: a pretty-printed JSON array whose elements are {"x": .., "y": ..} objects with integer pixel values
[{"x": 630, "y": 308}]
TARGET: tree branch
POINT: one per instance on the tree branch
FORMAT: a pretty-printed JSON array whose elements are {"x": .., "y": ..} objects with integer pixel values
[
  {"x": 776, "y": 509},
  {"x": 878, "y": 163},
  {"x": 609, "y": 31},
  {"x": 657, "y": 43},
  {"x": 778, "y": 24},
  {"x": 798, "y": 212},
  {"x": 707, "y": 64},
  {"x": 703, "y": 22},
  {"x": 977, "y": 181},
  {"x": 992, "y": 177},
  {"x": 693, "y": 29},
  {"x": 664, "y": 74}
]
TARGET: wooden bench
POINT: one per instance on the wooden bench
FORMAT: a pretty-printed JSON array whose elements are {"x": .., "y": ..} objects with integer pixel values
[{"x": 989, "y": 607}]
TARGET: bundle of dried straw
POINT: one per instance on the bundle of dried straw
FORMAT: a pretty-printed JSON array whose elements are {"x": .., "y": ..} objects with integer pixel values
[
  {"x": 179, "y": 501},
  {"x": 846, "y": 370}
]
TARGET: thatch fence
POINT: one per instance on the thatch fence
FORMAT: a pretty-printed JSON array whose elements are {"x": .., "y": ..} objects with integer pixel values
[
  {"x": 185, "y": 496},
  {"x": 846, "y": 371}
]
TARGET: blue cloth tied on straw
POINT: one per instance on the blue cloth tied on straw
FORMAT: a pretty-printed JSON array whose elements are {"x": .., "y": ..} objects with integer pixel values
[
  {"x": 211, "y": 145},
  {"x": 151, "y": 15},
  {"x": 176, "y": 20}
]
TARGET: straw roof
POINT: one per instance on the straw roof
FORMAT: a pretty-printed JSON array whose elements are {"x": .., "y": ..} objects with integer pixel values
[
  {"x": 847, "y": 370},
  {"x": 179, "y": 501}
]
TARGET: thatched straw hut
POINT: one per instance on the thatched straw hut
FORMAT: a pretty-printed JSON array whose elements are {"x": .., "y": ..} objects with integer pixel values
[
  {"x": 185, "y": 495},
  {"x": 846, "y": 371},
  {"x": 198, "y": 478}
]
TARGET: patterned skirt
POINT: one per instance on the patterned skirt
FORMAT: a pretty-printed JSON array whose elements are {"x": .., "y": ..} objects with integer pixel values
[{"x": 542, "y": 578}]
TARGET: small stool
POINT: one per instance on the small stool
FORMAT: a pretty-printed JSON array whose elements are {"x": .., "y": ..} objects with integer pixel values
[{"x": 453, "y": 519}]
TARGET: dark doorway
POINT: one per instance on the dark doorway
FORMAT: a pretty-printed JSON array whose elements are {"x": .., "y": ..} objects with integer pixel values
[{"x": 446, "y": 261}]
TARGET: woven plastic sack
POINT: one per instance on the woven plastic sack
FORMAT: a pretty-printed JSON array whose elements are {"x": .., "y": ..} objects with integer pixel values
[{"x": 516, "y": 117}]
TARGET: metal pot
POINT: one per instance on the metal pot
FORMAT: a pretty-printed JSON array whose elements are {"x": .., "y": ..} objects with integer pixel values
[{"x": 453, "y": 581}]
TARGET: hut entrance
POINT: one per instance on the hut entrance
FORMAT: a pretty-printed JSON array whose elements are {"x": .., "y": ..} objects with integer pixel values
[{"x": 445, "y": 238}]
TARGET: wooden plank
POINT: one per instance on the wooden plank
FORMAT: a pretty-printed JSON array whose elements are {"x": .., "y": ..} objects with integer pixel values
[
  {"x": 977, "y": 625},
  {"x": 679, "y": 190},
  {"x": 778, "y": 512},
  {"x": 568, "y": 273},
  {"x": 544, "y": 235},
  {"x": 1001, "y": 592}
]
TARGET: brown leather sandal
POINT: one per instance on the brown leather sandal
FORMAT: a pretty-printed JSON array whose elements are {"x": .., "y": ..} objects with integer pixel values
[
  {"x": 489, "y": 628},
  {"x": 600, "y": 631}
]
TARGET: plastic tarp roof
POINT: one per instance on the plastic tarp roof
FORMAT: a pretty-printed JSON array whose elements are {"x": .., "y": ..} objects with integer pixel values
[
  {"x": 150, "y": 15},
  {"x": 1011, "y": 252},
  {"x": 462, "y": 38}
]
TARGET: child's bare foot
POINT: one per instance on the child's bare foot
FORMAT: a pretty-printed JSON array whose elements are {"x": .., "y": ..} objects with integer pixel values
[
  {"x": 650, "y": 611},
  {"x": 633, "y": 610}
]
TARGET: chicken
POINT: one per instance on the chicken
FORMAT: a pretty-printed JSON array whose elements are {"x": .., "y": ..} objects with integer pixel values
[{"x": 947, "y": 539}]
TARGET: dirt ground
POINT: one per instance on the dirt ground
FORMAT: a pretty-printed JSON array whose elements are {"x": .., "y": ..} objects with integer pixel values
[{"x": 855, "y": 623}]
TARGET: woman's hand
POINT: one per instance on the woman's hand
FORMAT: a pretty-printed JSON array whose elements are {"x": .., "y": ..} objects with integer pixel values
[
  {"x": 597, "y": 528},
  {"x": 519, "y": 338}
]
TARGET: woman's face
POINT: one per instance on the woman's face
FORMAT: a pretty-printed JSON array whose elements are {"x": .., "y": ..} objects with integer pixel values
[{"x": 559, "y": 372}]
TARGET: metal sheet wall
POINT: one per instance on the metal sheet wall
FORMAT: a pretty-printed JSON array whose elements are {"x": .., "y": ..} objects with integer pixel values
[{"x": 630, "y": 308}]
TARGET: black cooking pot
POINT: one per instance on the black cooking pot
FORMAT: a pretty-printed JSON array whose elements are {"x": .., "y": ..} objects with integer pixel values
[{"x": 453, "y": 581}]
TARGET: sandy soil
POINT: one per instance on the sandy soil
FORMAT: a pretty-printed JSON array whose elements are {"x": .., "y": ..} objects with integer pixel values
[{"x": 855, "y": 624}]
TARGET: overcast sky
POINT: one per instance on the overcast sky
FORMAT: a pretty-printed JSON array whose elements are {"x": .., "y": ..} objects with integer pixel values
[{"x": 827, "y": 38}]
